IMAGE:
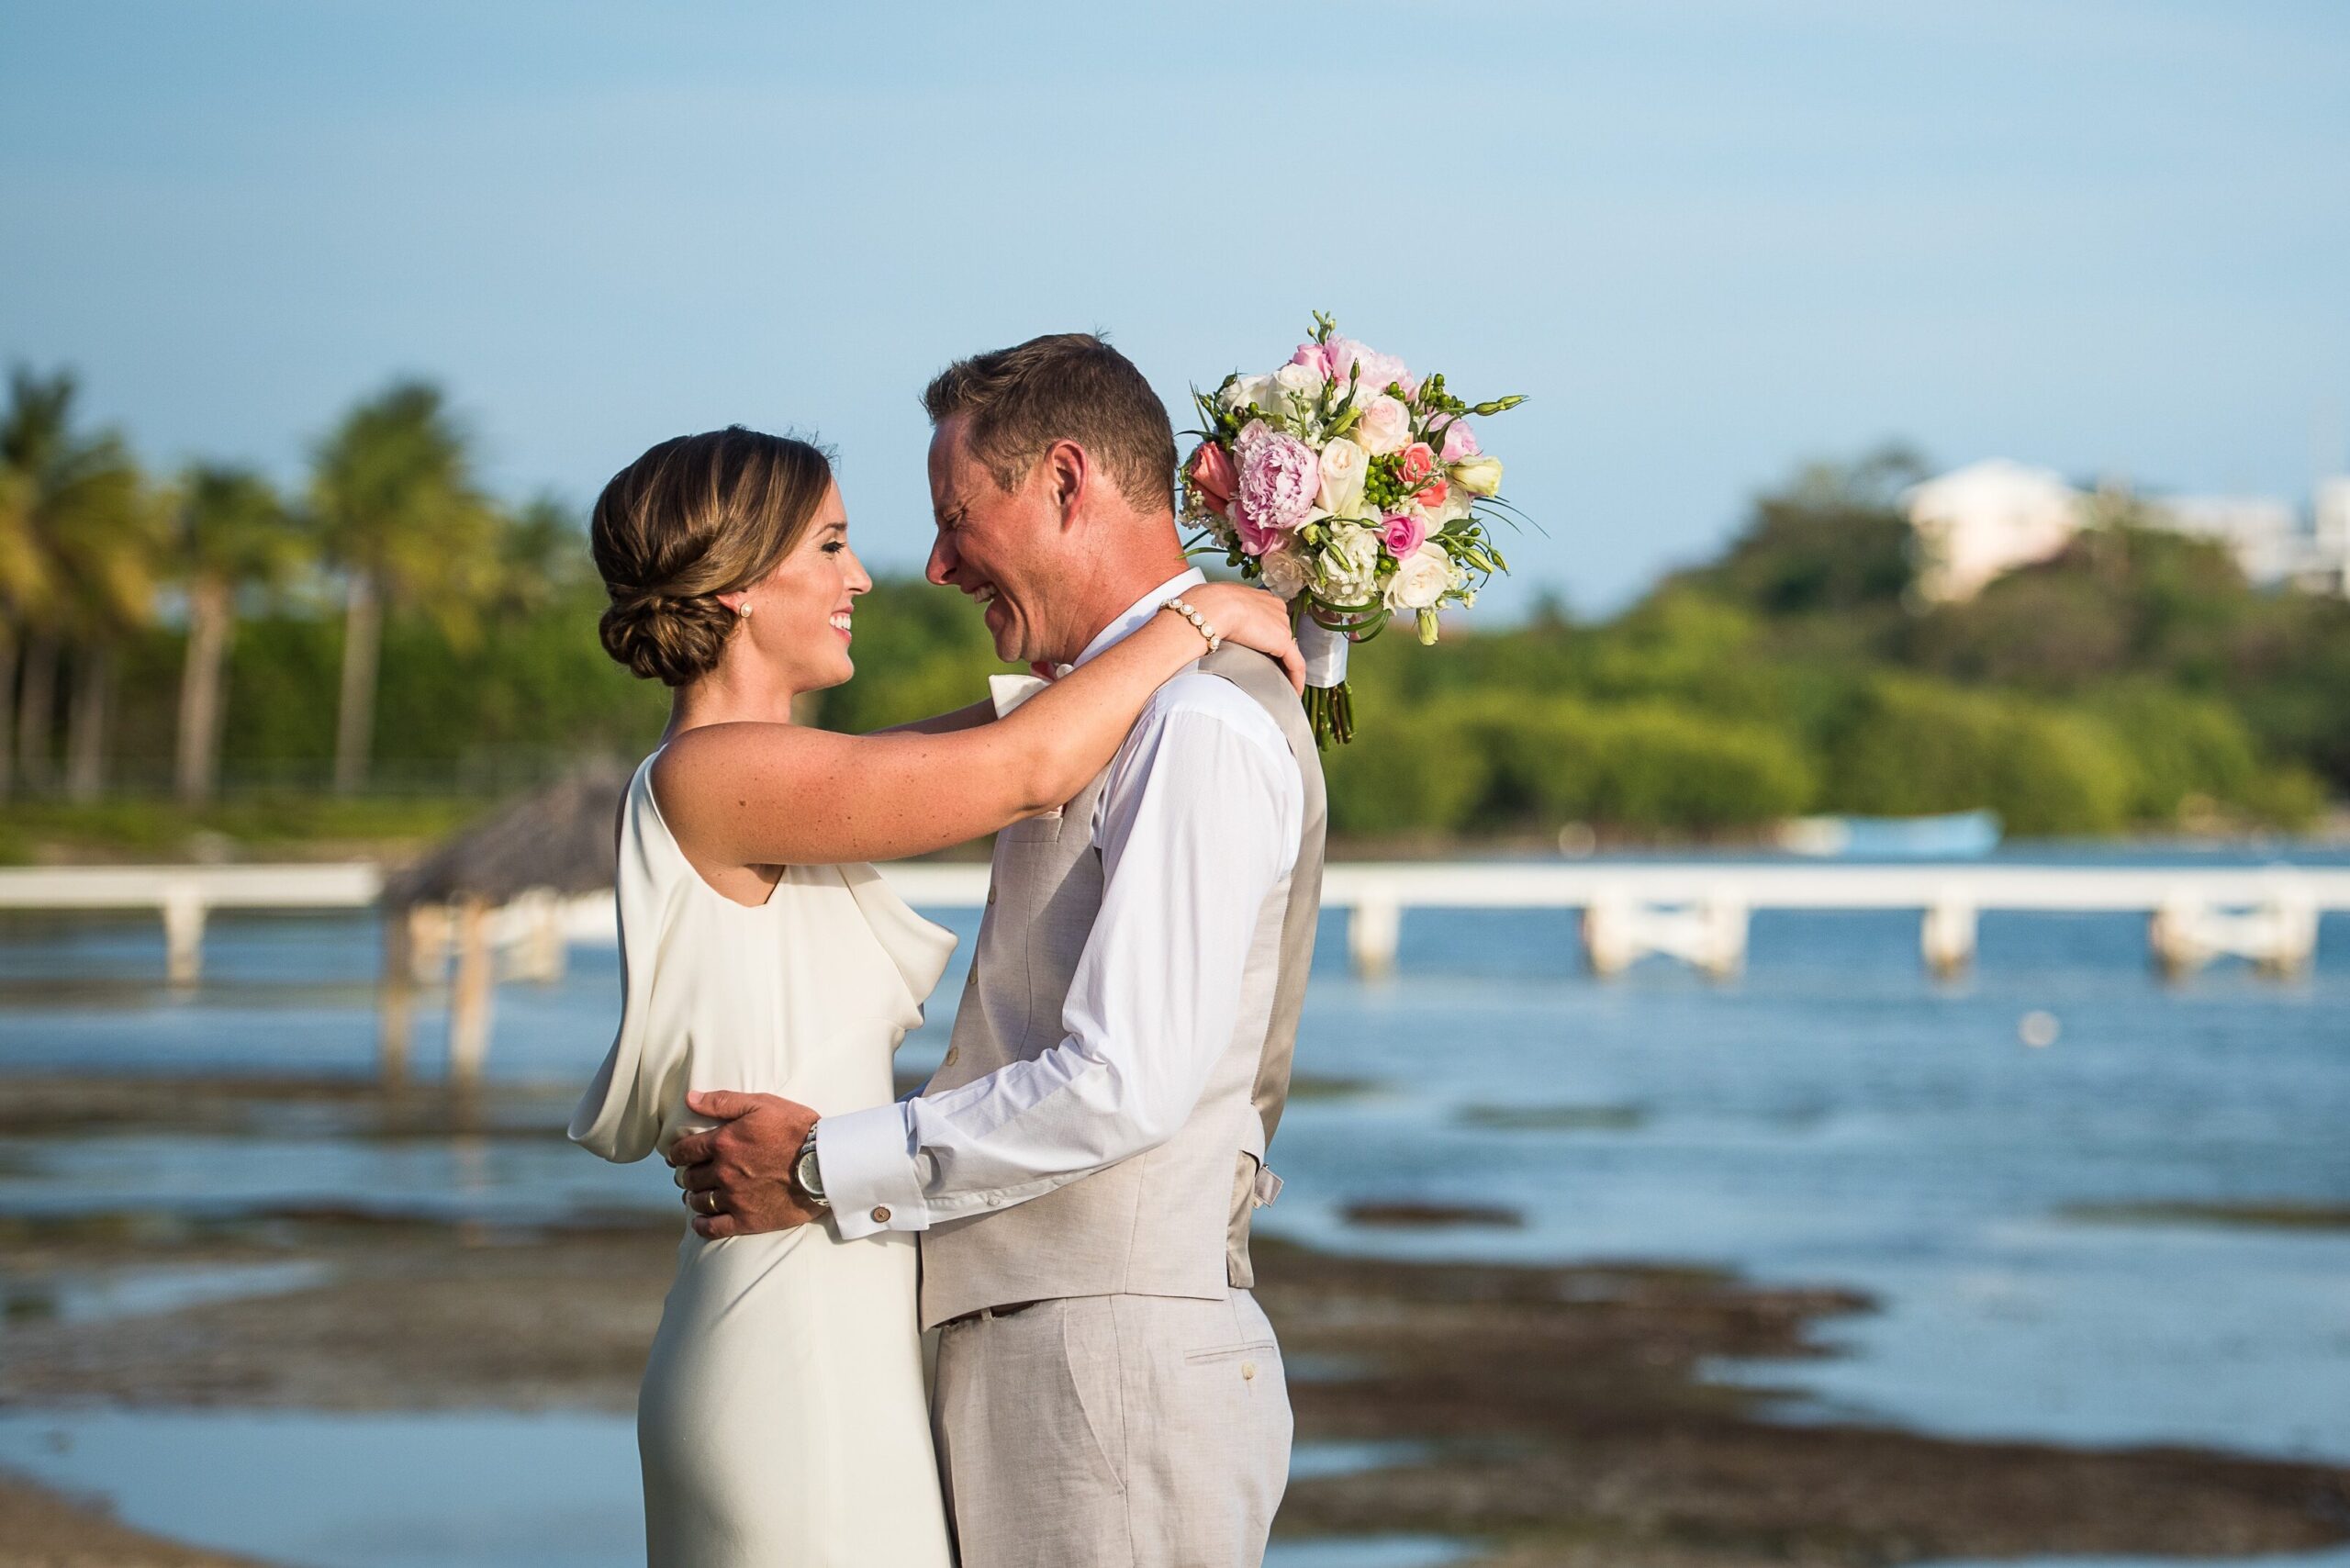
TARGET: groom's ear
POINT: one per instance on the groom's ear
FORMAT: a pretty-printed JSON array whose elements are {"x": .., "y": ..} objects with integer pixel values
[{"x": 1066, "y": 468}]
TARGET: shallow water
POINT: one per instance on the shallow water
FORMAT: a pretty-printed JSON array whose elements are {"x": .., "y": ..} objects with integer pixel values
[
  {"x": 465, "y": 1490},
  {"x": 1833, "y": 1116}
]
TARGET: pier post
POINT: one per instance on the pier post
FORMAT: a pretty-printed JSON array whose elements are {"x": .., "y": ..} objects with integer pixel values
[
  {"x": 183, "y": 933},
  {"x": 1374, "y": 927},
  {"x": 2291, "y": 915},
  {"x": 539, "y": 952},
  {"x": 1607, "y": 933},
  {"x": 1947, "y": 935},
  {"x": 470, "y": 995},
  {"x": 1721, "y": 949},
  {"x": 2172, "y": 935},
  {"x": 1708, "y": 933},
  {"x": 428, "y": 942},
  {"x": 395, "y": 997},
  {"x": 2278, "y": 936}
]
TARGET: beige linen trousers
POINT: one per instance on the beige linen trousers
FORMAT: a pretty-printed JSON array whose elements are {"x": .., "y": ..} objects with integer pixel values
[{"x": 1112, "y": 1431}]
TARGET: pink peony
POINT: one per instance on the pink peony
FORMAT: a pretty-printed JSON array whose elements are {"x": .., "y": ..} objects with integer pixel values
[
  {"x": 1403, "y": 533},
  {"x": 1280, "y": 478},
  {"x": 1459, "y": 442},
  {"x": 1212, "y": 480}
]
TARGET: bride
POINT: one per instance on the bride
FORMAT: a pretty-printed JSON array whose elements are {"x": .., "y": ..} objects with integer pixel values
[{"x": 782, "y": 1417}]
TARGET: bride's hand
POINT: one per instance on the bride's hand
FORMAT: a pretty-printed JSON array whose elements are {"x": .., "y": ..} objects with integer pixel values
[{"x": 1254, "y": 619}]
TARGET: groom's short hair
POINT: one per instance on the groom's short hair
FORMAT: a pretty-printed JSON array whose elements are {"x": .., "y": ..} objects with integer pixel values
[{"x": 1065, "y": 386}]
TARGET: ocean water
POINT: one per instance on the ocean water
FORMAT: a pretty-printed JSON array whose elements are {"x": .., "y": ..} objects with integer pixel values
[{"x": 1832, "y": 1116}]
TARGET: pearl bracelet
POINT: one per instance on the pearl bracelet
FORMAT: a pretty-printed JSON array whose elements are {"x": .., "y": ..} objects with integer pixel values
[{"x": 1215, "y": 639}]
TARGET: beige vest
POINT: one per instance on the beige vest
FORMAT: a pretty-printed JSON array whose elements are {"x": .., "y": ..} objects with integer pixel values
[{"x": 1174, "y": 1220}]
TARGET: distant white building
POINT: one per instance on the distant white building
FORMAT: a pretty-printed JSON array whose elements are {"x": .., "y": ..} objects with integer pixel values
[
  {"x": 2328, "y": 567},
  {"x": 1987, "y": 519},
  {"x": 1977, "y": 522},
  {"x": 2264, "y": 535}
]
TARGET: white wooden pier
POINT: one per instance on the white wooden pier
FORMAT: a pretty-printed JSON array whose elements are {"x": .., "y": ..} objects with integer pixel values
[
  {"x": 185, "y": 895},
  {"x": 1697, "y": 912}
]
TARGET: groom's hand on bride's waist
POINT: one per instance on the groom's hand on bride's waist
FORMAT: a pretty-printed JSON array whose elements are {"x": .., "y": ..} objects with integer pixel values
[{"x": 737, "y": 1176}]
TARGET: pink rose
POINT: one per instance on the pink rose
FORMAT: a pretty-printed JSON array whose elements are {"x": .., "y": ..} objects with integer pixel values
[
  {"x": 1415, "y": 464},
  {"x": 1280, "y": 478},
  {"x": 1386, "y": 426},
  {"x": 1376, "y": 372},
  {"x": 1431, "y": 495},
  {"x": 1403, "y": 533},
  {"x": 1459, "y": 442},
  {"x": 1212, "y": 480}
]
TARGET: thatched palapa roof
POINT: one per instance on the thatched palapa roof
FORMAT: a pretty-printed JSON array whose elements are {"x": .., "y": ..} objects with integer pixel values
[{"x": 560, "y": 839}]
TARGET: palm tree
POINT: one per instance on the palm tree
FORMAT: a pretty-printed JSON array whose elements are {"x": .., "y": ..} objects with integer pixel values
[
  {"x": 394, "y": 494},
  {"x": 231, "y": 533},
  {"x": 76, "y": 530},
  {"x": 23, "y": 579},
  {"x": 107, "y": 548}
]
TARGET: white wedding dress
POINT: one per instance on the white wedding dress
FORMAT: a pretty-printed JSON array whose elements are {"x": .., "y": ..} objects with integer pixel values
[{"x": 783, "y": 1421}]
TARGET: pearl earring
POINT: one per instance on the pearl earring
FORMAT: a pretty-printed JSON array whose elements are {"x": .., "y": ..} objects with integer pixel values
[{"x": 744, "y": 610}]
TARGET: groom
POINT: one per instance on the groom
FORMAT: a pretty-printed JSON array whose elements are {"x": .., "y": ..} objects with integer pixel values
[{"x": 1083, "y": 1165}]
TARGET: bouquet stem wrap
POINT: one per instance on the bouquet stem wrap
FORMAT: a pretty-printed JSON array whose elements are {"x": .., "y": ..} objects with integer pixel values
[{"x": 1329, "y": 704}]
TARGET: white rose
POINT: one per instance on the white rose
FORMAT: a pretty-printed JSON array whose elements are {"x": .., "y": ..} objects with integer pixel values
[
  {"x": 1300, "y": 384},
  {"x": 1385, "y": 425},
  {"x": 1285, "y": 571},
  {"x": 1421, "y": 578},
  {"x": 1343, "y": 466},
  {"x": 1349, "y": 567},
  {"x": 1478, "y": 476},
  {"x": 1257, "y": 389}
]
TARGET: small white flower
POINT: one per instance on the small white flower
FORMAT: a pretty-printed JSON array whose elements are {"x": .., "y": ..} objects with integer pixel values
[
  {"x": 1285, "y": 571},
  {"x": 1350, "y": 565}
]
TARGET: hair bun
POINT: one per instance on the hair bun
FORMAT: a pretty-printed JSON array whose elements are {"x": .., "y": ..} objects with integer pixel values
[
  {"x": 694, "y": 516},
  {"x": 673, "y": 641}
]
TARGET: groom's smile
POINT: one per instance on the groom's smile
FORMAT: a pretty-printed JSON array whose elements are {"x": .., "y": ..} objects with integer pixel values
[{"x": 982, "y": 531}]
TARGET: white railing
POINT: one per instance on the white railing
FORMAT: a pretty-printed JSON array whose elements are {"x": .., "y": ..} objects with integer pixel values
[
  {"x": 1694, "y": 909},
  {"x": 185, "y": 894}
]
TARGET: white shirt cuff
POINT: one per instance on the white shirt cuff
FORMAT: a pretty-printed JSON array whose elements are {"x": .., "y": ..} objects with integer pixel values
[{"x": 866, "y": 1161}]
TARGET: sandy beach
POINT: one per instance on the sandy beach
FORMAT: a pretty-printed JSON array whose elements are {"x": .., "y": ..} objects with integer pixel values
[{"x": 1550, "y": 1414}]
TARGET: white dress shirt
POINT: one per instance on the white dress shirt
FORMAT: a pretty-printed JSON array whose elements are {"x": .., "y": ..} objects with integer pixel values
[{"x": 1197, "y": 822}]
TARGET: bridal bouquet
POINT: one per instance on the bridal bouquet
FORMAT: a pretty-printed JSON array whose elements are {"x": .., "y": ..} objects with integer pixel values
[{"x": 1351, "y": 489}]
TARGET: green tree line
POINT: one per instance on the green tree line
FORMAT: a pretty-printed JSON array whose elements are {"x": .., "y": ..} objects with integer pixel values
[{"x": 384, "y": 627}]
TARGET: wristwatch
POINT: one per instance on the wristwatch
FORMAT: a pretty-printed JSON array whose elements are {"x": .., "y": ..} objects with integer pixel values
[{"x": 807, "y": 1176}]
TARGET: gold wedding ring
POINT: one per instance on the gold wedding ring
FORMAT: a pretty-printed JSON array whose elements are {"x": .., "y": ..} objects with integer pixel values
[{"x": 696, "y": 1205}]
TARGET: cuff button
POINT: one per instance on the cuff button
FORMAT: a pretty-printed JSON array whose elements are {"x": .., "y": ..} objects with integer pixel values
[{"x": 881, "y": 1215}]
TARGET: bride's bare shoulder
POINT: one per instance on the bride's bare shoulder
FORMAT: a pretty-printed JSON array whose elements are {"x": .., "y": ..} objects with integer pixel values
[{"x": 713, "y": 757}]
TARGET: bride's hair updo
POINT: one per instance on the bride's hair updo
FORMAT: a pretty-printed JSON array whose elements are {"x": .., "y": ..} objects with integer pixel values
[{"x": 694, "y": 518}]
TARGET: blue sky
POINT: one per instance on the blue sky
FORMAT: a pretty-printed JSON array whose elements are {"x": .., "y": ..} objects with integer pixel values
[{"x": 1709, "y": 240}]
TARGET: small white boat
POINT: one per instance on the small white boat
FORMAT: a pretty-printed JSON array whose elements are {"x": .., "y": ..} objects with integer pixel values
[{"x": 1956, "y": 836}]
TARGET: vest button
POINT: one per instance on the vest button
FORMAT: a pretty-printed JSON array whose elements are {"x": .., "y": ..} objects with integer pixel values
[
  {"x": 881, "y": 1217},
  {"x": 1248, "y": 1369},
  {"x": 991, "y": 892},
  {"x": 952, "y": 1052}
]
